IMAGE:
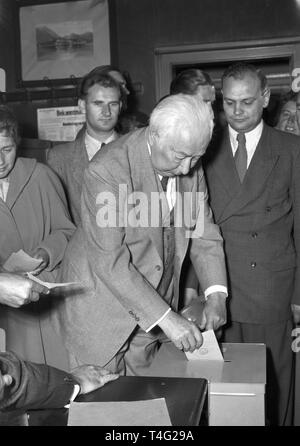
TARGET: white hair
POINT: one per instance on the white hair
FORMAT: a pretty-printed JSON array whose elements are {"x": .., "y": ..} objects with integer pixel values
[{"x": 182, "y": 118}]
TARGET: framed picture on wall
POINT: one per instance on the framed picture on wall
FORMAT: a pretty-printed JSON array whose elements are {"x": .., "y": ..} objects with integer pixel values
[{"x": 59, "y": 40}]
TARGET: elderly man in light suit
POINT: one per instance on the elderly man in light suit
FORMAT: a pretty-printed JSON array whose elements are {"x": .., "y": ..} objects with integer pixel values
[{"x": 129, "y": 253}]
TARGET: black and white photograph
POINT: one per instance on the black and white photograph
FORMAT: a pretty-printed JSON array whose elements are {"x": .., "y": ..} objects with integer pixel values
[{"x": 150, "y": 216}]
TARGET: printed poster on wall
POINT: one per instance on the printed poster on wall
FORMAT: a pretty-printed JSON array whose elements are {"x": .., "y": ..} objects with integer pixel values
[{"x": 59, "y": 123}]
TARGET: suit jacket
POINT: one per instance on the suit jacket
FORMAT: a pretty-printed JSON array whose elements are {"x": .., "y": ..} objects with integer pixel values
[
  {"x": 260, "y": 223},
  {"x": 69, "y": 161},
  {"x": 35, "y": 386},
  {"x": 120, "y": 267}
]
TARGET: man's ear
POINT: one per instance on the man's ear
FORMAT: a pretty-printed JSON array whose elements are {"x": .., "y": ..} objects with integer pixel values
[
  {"x": 82, "y": 105},
  {"x": 266, "y": 95}
]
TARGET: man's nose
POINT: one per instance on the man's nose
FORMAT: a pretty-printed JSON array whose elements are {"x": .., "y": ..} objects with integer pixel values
[
  {"x": 291, "y": 120},
  {"x": 185, "y": 166},
  {"x": 106, "y": 110},
  {"x": 237, "y": 109},
  {"x": 2, "y": 158}
]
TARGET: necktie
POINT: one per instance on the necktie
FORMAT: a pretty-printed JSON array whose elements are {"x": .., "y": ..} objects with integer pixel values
[
  {"x": 164, "y": 182},
  {"x": 240, "y": 156}
]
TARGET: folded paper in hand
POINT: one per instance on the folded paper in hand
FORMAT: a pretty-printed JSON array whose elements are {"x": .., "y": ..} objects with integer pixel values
[
  {"x": 21, "y": 262},
  {"x": 49, "y": 285},
  {"x": 209, "y": 350}
]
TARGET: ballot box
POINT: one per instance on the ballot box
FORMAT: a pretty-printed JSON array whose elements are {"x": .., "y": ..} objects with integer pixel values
[{"x": 236, "y": 386}]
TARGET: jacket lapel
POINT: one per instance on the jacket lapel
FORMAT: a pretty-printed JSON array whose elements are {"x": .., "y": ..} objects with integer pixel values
[
  {"x": 258, "y": 172},
  {"x": 78, "y": 157},
  {"x": 147, "y": 182},
  {"x": 18, "y": 179}
]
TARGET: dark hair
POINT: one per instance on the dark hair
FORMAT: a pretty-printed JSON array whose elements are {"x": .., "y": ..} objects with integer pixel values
[
  {"x": 240, "y": 69},
  {"x": 9, "y": 123},
  {"x": 188, "y": 81},
  {"x": 97, "y": 78}
]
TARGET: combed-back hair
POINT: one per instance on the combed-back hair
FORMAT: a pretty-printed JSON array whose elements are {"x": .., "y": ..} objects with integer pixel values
[
  {"x": 188, "y": 81},
  {"x": 95, "y": 77},
  {"x": 179, "y": 118},
  {"x": 240, "y": 69}
]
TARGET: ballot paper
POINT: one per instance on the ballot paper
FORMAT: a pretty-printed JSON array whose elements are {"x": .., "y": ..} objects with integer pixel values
[
  {"x": 50, "y": 285},
  {"x": 209, "y": 350},
  {"x": 21, "y": 262},
  {"x": 120, "y": 413}
]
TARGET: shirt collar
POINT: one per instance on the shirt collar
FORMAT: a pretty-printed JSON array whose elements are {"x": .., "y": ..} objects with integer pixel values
[
  {"x": 93, "y": 141},
  {"x": 253, "y": 135}
]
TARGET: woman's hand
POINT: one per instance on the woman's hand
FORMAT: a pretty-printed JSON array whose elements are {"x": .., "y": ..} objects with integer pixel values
[{"x": 41, "y": 254}]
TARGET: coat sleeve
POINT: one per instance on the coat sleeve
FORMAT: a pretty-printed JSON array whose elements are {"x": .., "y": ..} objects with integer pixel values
[
  {"x": 35, "y": 386},
  {"x": 58, "y": 225},
  {"x": 206, "y": 247}
]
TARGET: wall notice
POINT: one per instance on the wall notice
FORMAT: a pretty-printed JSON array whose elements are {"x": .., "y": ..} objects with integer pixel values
[{"x": 59, "y": 123}]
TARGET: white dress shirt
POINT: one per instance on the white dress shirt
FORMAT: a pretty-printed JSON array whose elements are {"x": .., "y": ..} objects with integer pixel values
[
  {"x": 4, "y": 185},
  {"x": 93, "y": 145},
  {"x": 252, "y": 139}
]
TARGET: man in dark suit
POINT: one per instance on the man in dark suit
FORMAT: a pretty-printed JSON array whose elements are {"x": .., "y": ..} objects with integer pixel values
[
  {"x": 254, "y": 186},
  {"x": 25, "y": 385},
  {"x": 100, "y": 100},
  {"x": 135, "y": 236}
]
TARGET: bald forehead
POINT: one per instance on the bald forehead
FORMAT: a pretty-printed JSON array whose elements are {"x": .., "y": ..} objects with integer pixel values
[{"x": 248, "y": 78}]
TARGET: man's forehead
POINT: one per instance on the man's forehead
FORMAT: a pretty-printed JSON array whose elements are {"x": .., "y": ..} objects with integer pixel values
[
  {"x": 100, "y": 91},
  {"x": 249, "y": 80},
  {"x": 191, "y": 148}
]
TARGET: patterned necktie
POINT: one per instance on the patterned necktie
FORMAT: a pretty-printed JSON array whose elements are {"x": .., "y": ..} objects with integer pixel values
[
  {"x": 240, "y": 156},
  {"x": 164, "y": 182}
]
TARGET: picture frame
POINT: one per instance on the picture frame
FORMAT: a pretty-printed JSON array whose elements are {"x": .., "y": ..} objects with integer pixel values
[{"x": 61, "y": 40}]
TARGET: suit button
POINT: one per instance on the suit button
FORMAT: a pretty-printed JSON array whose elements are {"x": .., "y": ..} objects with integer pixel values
[
  {"x": 268, "y": 208},
  {"x": 253, "y": 264},
  {"x": 158, "y": 267},
  {"x": 254, "y": 234}
]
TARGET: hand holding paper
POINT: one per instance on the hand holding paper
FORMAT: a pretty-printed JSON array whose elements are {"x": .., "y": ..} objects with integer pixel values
[
  {"x": 209, "y": 350},
  {"x": 49, "y": 285}
]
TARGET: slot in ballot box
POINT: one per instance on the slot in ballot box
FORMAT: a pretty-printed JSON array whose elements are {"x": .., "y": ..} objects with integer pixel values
[{"x": 236, "y": 387}]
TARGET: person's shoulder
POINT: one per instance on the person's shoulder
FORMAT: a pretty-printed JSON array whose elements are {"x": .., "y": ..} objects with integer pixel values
[
  {"x": 286, "y": 143},
  {"x": 116, "y": 160},
  {"x": 61, "y": 150},
  {"x": 43, "y": 172},
  {"x": 119, "y": 149},
  {"x": 284, "y": 136}
]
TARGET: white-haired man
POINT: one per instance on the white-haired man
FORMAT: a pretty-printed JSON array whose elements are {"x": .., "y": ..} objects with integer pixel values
[{"x": 130, "y": 250}]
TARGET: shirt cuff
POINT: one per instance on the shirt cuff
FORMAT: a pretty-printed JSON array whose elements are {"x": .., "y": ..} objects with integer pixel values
[
  {"x": 159, "y": 320},
  {"x": 215, "y": 289},
  {"x": 74, "y": 395}
]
